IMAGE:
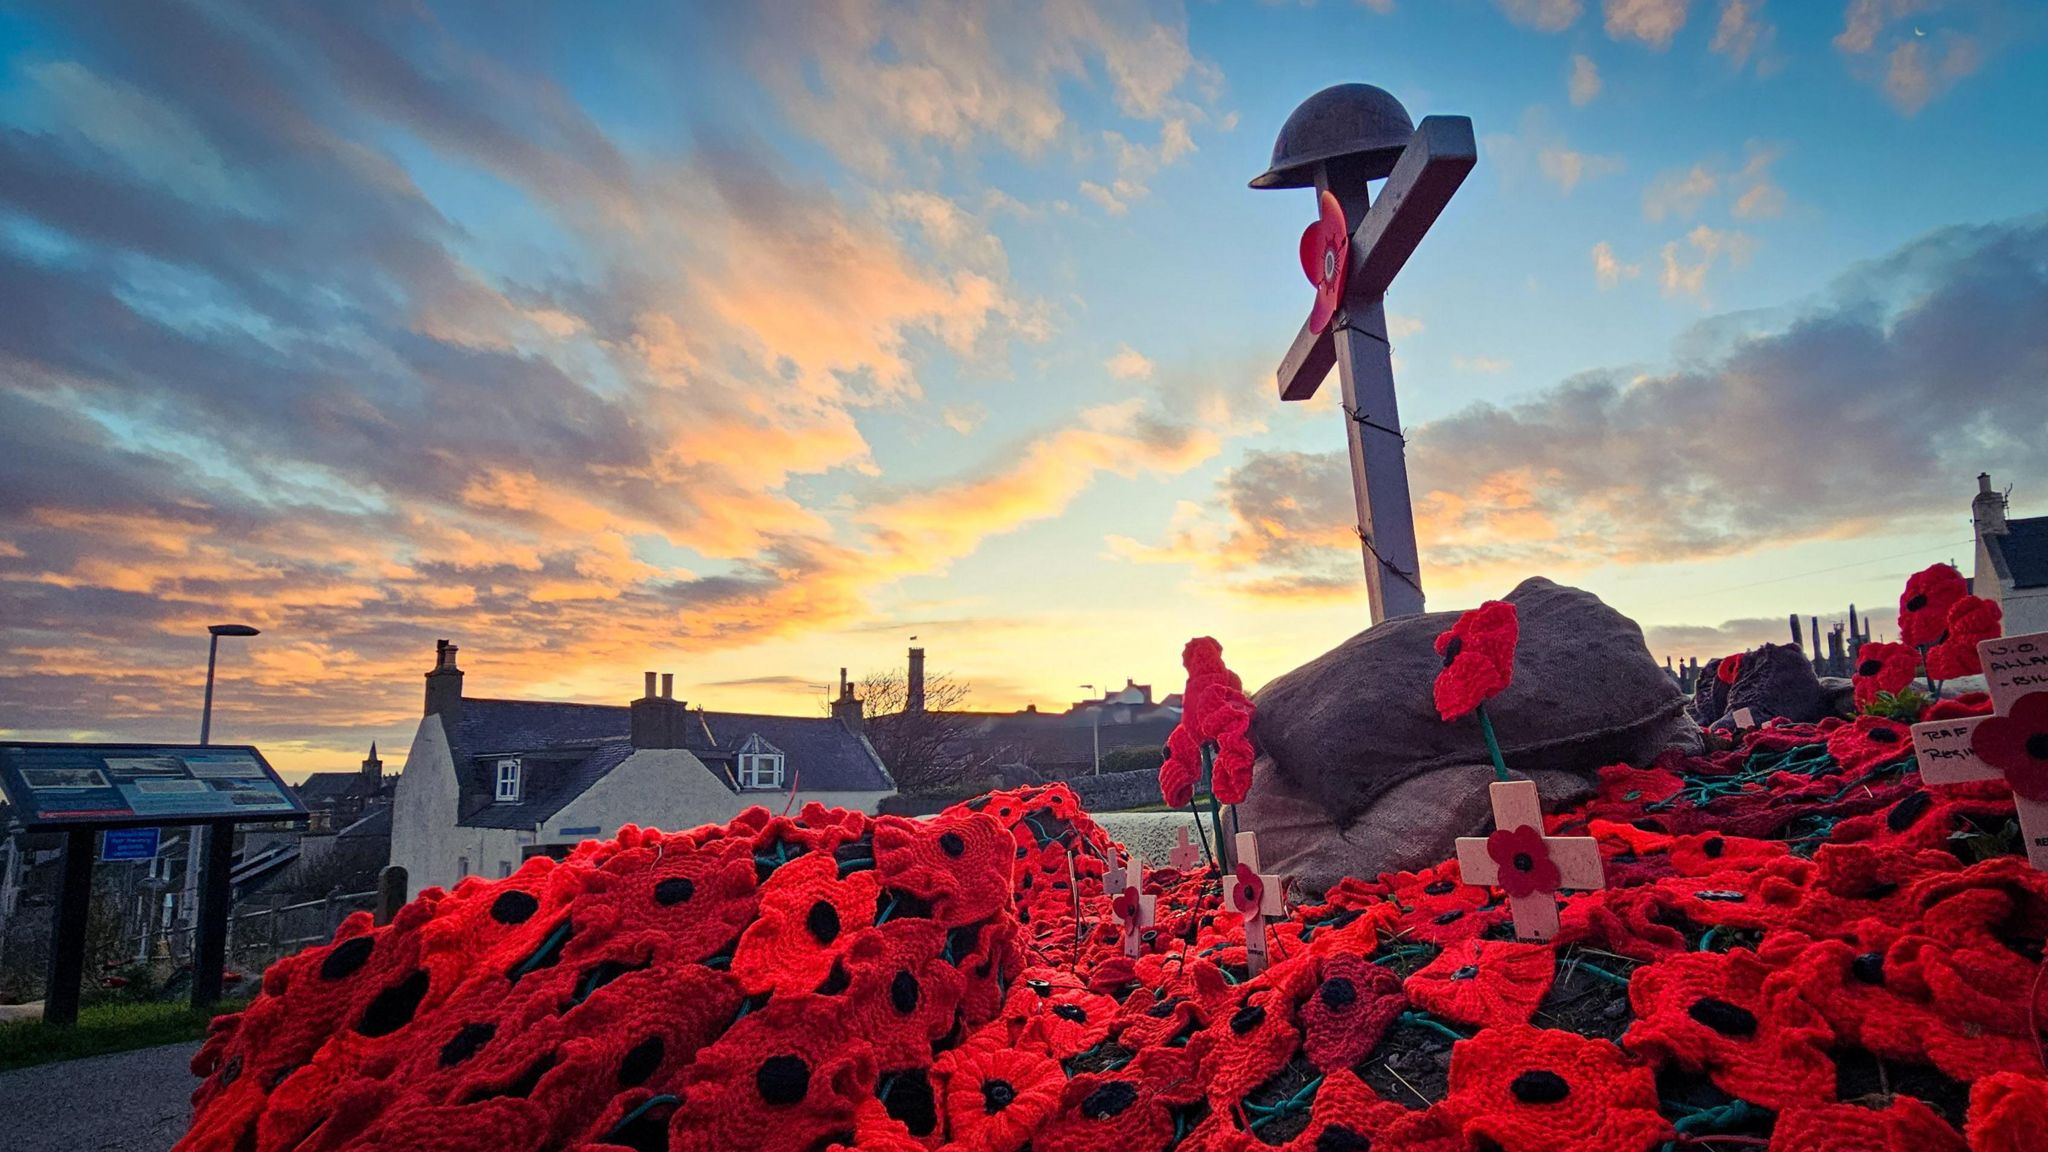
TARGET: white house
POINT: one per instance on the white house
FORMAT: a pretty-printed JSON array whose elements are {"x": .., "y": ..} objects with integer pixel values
[
  {"x": 2012, "y": 561},
  {"x": 489, "y": 783}
]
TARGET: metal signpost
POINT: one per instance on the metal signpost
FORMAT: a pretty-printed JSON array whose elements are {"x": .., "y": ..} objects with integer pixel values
[
  {"x": 1339, "y": 141},
  {"x": 84, "y": 790}
]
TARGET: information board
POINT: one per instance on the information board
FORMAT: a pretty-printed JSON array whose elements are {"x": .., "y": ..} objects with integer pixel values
[{"x": 129, "y": 785}]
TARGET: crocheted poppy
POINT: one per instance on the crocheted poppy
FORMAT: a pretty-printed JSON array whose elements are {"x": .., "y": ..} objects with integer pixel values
[
  {"x": 1523, "y": 858},
  {"x": 1350, "y": 1011},
  {"x": 1214, "y": 710},
  {"x": 1541, "y": 1090},
  {"x": 1484, "y": 983},
  {"x": 1882, "y": 667},
  {"x": 1924, "y": 605},
  {"x": 1729, "y": 668},
  {"x": 1960, "y": 707},
  {"x": 1325, "y": 257},
  {"x": 2005, "y": 1113},
  {"x": 2017, "y": 744},
  {"x": 995, "y": 1096},
  {"x": 1870, "y": 742},
  {"x": 1479, "y": 658},
  {"x": 1970, "y": 619},
  {"x": 1904, "y": 1124},
  {"x": 1131, "y": 1107},
  {"x": 1252, "y": 1029},
  {"x": 1710, "y": 1012},
  {"x": 807, "y": 914},
  {"x": 1070, "y": 1022}
]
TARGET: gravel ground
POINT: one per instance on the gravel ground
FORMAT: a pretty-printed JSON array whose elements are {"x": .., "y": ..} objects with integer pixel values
[
  {"x": 128, "y": 1102},
  {"x": 1151, "y": 835}
]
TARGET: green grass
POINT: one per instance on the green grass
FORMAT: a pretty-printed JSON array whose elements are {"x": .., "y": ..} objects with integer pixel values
[{"x": 104, "y": 1028}]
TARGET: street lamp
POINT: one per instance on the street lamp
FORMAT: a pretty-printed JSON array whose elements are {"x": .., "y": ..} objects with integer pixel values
[
  {"x": 189, "y": 899},
  {"x": 1095, "y": 711}
]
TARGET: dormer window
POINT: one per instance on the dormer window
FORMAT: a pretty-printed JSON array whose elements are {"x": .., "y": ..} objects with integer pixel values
[
  {"x": 508, "y": 781},
  {"x": 759, "y": 763}
]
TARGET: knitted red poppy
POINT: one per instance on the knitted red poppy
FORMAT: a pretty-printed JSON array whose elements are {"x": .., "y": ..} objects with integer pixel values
[
  {"x": 1214, "y": 710},
  {"x": 1729, "y": 668},
  {"x": 1541, "y": 1090},
  {"x": 1070, "y": 1022},
  {"x": 2017, "y": 744},
  {"x": 1252, "y": 1029},
  {"x": 995, "y": 1096},
  {"x": 1711, "y": 1013},
  {"x": 1348, "y": 1013},
  {"x": 2005, "y": 1113},
  {"x": 1485, "y": 983},
  {"x": 1902, "y": 1125},
  {"x": 1131, "y": 1107},
  {"x": 1924, "y": 605},
  {"x": 1523, "y": 859},
  {"x": 1959, "y": 707},
  {"x": 1479, "y": 658},
  {"x": 1882, "y": 667},
  {"x": 806, "y": 918},
  {"x": 1870, "y": 742},
  {"x": 1970, "y": 620}
]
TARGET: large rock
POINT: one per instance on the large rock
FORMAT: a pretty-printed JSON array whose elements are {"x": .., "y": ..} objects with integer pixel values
[
  {"x": 1777, "y": 681},
  {"x": 1358, "y": 775}
]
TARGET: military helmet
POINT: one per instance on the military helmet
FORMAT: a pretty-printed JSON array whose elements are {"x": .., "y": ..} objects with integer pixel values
[{"x": 1343, "y": 120}]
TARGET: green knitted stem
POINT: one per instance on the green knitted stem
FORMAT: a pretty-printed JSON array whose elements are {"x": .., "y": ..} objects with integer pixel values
[{"x": 1500, "y": 766}]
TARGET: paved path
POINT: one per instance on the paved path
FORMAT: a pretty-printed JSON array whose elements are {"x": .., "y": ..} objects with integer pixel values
[{"x": 128, "y": 1102}]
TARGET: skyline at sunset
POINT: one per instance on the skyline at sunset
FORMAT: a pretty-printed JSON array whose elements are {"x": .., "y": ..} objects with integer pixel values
[{"x": 747, "y": 344}]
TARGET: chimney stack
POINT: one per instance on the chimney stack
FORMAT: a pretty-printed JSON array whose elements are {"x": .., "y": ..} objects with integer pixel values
[
  {"x": 1987, "y": 511},
  {"x": 659, "y": 721},
  {"x": 914, "y": 687},
  {"x": 444, "y": 688},
  {"x": 847, "y": 708}
]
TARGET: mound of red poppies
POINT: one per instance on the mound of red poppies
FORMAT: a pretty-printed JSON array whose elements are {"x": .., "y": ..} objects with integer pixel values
[{"x": 1799, "y": 948}]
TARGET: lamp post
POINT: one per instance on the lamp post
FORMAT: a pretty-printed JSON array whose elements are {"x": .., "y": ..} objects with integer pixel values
[
  {"x": 1095, "y": 711},
  {"x": 188, "y": 901}
]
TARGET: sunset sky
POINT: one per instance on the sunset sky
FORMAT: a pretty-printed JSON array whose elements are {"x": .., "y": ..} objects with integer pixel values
[{"x": 747, "y": 342}]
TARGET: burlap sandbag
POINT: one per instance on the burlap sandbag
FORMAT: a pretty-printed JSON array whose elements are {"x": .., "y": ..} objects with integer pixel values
[{"x": 1341, "y": 734}]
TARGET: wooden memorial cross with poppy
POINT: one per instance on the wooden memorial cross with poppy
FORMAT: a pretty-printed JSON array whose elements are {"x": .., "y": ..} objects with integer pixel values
[
  {"x": 1184, "y": 856},
  {"x": 2011, "y": 744},
  {"x": 1529, "y": 866},
  {"x": 1339, "y": 141},
  {"x": 1254, "y": 895},
  {"x": 1134, "y": 909}
]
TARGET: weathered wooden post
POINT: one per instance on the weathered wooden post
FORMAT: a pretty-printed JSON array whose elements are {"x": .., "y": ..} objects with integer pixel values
[
  {"x": 391, "y": 882},
  {"x": 1339, "y": 141}
]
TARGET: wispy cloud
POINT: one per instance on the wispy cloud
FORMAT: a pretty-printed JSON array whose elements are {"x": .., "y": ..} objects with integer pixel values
[
  {"x": 1583, "y": 84},
  {"x": 1595, "y": 470},
  {"x": 1653, "y": 22}
]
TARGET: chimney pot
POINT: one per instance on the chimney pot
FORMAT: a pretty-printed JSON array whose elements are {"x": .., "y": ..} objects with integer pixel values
[
  {"x": 650, "y": 685},
  {"x": 1984, "y": 483},
  {"x": 668, "y": 685}
]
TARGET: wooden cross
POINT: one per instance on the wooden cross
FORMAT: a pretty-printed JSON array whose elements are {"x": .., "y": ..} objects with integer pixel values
[
  {"x": 1517, "y": 810},
  {"x": 1387, "y": 230},
  {"x": 1134, "y": 909},
  {"x": 1254, "y": 895},
  {"x": 2015, "y": 668},
  {"x": 1184, "y": 857}
]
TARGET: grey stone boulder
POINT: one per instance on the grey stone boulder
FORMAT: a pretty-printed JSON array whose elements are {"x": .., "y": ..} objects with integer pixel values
[
  {"x": 1777, "y": 681},
  {"x": 1838, "y": 696},
  {"x": 1358, "y": 775}
]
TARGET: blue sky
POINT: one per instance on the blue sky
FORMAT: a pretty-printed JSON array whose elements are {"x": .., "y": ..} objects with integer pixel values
[{"x": 746, "y": 343}]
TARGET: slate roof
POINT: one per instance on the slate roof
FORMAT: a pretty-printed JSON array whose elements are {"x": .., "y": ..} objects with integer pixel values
[
  {"x": 2020, "y": 554},
  {"x": 323, "y": 787},
  {"x": 376, "y": 824},
  {"x": 565, "y": 748}
]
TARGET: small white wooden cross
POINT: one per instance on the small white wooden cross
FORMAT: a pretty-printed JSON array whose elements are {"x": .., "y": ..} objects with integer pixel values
[
  {"x": 2014, "y": 667},
  {"x": 1254, "y": 895},
  {"x": 1184, "y": 857},
  {"x": 1515, "y": 809},
  {"x": 1134, "y": 909}
]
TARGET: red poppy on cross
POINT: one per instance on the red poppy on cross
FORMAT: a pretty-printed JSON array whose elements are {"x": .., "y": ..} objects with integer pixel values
[
  {"x": 1529, "y": 866},
  {"x": 1254, "y": 895},
  {"x": 1133, "y": 908},
  {"x": 2011, "y": 744}
]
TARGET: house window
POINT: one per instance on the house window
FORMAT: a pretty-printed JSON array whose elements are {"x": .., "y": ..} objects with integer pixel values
[
  {"x": 761, "y": 770},
  {"x": 508, "y": 781}
]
